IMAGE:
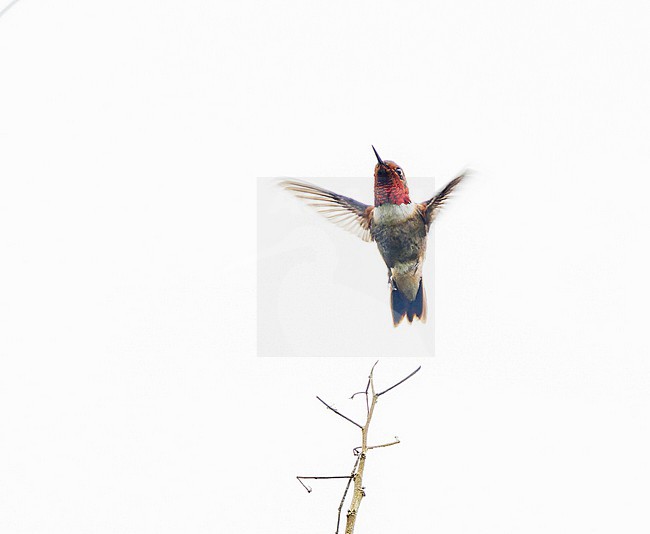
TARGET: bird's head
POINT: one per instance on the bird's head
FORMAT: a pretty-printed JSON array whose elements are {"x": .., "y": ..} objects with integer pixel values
[{"x": 390, "y": 183}]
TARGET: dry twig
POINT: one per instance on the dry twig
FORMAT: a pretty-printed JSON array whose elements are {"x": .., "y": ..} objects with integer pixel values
[{"x": 360, "y": 452}]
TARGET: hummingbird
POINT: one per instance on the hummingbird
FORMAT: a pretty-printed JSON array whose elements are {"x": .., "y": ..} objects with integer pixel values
[{"x": 397, "y": 225}]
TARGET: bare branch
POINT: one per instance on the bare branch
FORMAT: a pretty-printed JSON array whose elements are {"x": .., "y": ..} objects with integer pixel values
[
  {"x": 347, "y": 487},
  {"x": 300, "y": 479},
  {"x": 385, "y": 444},
  {"x": 339, "y": 413},
  {"x": 400, "y": 382},
  {"x": 304, "y": 485},
  {"x": 367, "y": 388},
  {"x": 371, "y": 385},
  {"x": 364, "y": 393},
  {"x": 355, "y": 479},
  {"x": 357, "y": 450}
]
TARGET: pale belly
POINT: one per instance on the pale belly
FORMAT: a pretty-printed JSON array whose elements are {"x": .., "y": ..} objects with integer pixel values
[{"x": 400, "y": 233}]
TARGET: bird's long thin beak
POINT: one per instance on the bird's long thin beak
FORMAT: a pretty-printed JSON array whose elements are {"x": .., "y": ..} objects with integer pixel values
[{"x": 378, "y": 158}]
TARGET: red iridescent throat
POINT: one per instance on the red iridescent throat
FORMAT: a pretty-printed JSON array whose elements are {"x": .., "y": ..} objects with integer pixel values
[{"x": 391, "y": 192}]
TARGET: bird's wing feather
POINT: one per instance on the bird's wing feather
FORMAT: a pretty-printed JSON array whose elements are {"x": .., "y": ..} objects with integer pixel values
[
  {"x": 431, "y": 207},
  {"x": 348, "y": 213}
]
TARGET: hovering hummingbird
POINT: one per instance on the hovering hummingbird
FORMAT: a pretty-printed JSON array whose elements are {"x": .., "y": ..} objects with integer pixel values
[{"x": 398, "y": 226}]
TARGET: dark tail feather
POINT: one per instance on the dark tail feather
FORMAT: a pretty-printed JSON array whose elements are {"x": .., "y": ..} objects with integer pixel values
[{"x": 402, "y": 306}]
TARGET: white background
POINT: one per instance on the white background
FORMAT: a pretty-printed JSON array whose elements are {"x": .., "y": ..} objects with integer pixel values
[{"x": 132, "y": 133}]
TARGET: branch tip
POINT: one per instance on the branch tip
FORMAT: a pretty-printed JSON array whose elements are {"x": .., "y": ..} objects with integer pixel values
[
  {"x": 339, "y": 413},
  {"x": 400, "y": 382}
]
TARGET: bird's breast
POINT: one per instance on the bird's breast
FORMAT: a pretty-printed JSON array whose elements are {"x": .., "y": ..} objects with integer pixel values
[
  {"x": 400, "y": 233},
  {"x": 390, "y": 214}
]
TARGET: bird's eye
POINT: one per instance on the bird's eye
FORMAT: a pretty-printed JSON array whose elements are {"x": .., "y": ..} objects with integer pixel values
[{"x": 399, "y": 171}]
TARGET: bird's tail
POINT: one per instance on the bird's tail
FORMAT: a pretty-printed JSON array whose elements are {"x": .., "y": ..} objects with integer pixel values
[{"x": 402, "y": 306}]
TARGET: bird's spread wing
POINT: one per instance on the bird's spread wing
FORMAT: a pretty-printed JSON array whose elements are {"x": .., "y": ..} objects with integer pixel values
[
  {"x": 346, "y": 212},
  {"x": 431, "y": 207}
]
